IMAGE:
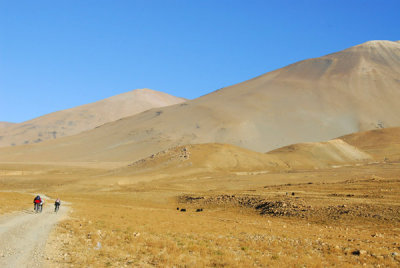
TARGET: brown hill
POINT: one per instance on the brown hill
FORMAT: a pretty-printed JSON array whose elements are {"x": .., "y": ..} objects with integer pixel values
[
  {"x": 202, "y": 158},
  {"x": 316, "y": 155},
  {"x": 5, "y": 124},
  {"x": 313, "y": 100},
  {"x": 212, "y": 158},
  {"x": 85, "y": 117},
  {"x": 382, "y": 144},
  {"x": 379, "y": 145}
]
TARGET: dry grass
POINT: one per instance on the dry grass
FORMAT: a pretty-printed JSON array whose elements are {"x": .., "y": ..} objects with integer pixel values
[
  {"x": 12, "y": 201},
  {"x": 134, "y": 231},
  {"x": 138, "y": 224}
]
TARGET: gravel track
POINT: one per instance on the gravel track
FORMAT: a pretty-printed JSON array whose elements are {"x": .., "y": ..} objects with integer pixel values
[{"x": 23, "y": 236}]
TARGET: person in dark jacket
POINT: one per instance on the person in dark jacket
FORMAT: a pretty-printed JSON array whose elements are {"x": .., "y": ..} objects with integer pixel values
[{"x": 57, "y": 204}]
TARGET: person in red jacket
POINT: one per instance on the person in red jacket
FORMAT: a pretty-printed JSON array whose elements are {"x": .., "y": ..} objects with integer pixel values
[{"x": 36, "y": 203}]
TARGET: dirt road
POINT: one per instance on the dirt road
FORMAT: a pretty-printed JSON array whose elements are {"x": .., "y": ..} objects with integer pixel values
[{"x": 23, "y": 236}]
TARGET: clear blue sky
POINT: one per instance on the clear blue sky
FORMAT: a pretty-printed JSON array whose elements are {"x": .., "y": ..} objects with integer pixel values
[{"x": 56, "y": 55}]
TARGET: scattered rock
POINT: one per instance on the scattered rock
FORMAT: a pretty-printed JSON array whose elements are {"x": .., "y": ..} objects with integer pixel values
[
  {"x": 98, "y": 246},
  {"x": 358, "y": 252},
  {"x": 377, "y": 235},
  {"x": 136, "y": 234},
  {"x": 296, "y": 207}
]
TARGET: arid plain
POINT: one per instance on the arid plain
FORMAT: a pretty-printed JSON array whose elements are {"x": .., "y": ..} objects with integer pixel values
[{"x": 299, "y": 167}]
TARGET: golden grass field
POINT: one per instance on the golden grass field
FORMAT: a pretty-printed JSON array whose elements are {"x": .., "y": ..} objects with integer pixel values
[
  {"x": 340, "y": 217},
  {"x": 318, "y": 203},
  {"x": 12, "y": 201}
]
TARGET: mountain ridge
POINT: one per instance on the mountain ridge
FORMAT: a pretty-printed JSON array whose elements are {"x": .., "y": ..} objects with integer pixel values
[
  {"x": 4, "y": 124},
  {"x": 85, "y": 117},
  {"x": 309, "y": 101}
]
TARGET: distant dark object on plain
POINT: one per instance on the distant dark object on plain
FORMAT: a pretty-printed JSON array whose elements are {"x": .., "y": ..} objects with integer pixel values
[
  {"x": 183, "y": 209},
  {"x": 292, "y": 193},
  {"x": 199, "y": 210}
]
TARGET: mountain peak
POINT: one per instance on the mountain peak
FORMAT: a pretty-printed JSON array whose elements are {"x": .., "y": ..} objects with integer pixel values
[
  {"x": 379, "y": 44},
  {"x": 85, "y": 117},
  {"x": 312, "y": 100}
]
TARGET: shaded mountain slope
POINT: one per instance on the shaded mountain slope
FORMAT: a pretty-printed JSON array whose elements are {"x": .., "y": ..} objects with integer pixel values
[
  {"x": 85, "y": 117},
  {"x": 313, "y": 100}
]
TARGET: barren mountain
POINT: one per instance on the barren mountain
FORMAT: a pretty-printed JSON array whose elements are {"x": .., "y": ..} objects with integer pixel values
[
  {"x": 5, "y": 124},
  {"x": 85, "y": 117},
  {"x": 313, "y": 100}
]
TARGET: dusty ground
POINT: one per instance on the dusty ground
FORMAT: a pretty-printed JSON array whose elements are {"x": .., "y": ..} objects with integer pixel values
[
  {"x": 24, "y": 234},
  {"x": 346, "y": 226},
  {"x": 14, "y": 201},
  {"x": 346, "y": 216},
  {"x": 332, "y": 203}
]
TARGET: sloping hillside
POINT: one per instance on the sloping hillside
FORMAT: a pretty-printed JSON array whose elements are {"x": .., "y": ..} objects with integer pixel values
[
  {"x": 360, "y": 148},
  {"x": 214, "y": 158},
  {"x": 203, "y": 158},
  {"x": 5, "y": 124},
  {"x": 85, "y": 117},
  {"x": 382, "y": 144},
  {"x": 314, "y": 155},
  {"x": 313, "y": 100}
]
